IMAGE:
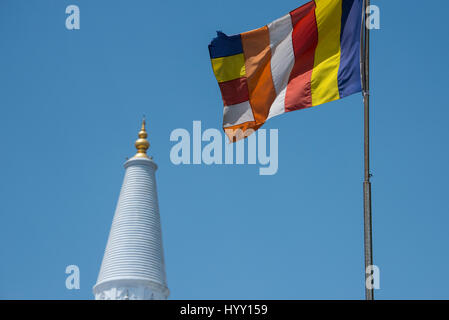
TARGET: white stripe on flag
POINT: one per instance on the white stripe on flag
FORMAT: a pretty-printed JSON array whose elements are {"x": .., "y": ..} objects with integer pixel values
[
  {"x": 237, "y": 114},
  {"x": 279, "y": 30},
  {"x": 278, "y": 105},
  {"x": 282, "y": 60}
]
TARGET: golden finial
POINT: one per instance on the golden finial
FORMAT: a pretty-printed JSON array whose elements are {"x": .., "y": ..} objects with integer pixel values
[{"x": 142, "y": 143}]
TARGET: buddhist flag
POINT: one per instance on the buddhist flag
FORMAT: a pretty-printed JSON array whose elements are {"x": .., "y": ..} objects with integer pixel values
[{"x": 306, "y": 58}]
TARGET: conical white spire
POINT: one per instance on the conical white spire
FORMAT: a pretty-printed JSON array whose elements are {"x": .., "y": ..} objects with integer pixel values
[{"x": 133, "y": 264}]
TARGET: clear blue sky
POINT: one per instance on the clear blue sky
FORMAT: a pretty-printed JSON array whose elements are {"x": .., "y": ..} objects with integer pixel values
[{"x": 71, "y": 104}]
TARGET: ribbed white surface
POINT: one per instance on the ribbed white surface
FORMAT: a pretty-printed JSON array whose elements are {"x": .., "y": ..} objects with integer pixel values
[{"x": 134, "y": 249}]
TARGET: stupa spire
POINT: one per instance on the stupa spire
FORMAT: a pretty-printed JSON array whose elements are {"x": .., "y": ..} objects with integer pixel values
[{"x": 133, "y": 265}]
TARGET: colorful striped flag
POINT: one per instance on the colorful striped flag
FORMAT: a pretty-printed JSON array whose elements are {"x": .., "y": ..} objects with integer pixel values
[{"x": 306, "y": 58}]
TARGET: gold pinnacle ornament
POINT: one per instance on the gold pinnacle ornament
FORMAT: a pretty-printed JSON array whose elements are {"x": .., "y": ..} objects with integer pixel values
[{"x": 142, "y": 143}]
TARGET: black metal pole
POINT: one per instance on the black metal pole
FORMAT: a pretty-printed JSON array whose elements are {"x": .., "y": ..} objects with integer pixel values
[{"x": 368, "y": 241}]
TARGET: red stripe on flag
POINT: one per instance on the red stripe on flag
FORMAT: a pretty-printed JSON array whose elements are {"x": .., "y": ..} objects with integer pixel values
[
  {"x": 234, "y": 91},
  {"x": 305, "y": 40}
]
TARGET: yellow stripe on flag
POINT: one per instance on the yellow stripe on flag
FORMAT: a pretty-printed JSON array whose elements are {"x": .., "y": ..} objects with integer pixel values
[
  {"x": 327, "y": 55},
  {"x": 229, "y": 68}
]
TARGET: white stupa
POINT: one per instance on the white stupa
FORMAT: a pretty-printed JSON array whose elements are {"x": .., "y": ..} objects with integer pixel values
[{"x": 133, "y": 264}]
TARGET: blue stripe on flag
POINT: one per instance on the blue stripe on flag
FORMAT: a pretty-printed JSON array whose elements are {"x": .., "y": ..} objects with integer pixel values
[
  {"x": 349, "y": 78},
  {"x": 224, "y": 46}
]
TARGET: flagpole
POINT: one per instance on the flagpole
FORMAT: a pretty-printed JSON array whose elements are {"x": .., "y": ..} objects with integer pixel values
[{"x": 368, "y": 242}]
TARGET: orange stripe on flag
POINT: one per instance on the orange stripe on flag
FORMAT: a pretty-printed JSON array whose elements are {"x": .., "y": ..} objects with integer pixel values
[
  {"x": 241, "y": 131},
  {"x": 256, "y": 49}
]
